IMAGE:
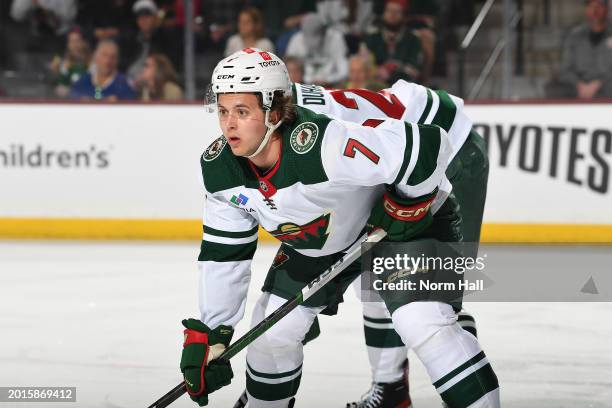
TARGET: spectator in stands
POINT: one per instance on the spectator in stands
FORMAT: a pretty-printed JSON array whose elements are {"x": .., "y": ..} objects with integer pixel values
[
  {"x": 50, "y": 19},
  {"x": 361, "y": 72},
  {"x": 158, "y": 80},
  {"x": 283, "y": 19},
  {"x": 151, "y": 37},
  {"x": 4, "y": 22},
  {"x": 397, "y": 51},
  {"x": 250, "y": 33},
  {"x": 103, "y": 82},
  {"x": 586, "y": 62},
  {"x": 57, "y": 15},
  {"x": 353, "y": 18},
  {"x": 295, "y": 68},
  {"x": 104, "y": 20},
  {"x": 75, "y": 63},
  {"x": 323, "y": 51},
  {"x": 220, "y": 17},
  {"x": 421, "y": 19},
  {"x": 174, "y": 14}
]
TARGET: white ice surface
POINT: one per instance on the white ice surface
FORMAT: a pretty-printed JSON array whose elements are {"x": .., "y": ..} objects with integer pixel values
[{"x": 105, "y": 317}]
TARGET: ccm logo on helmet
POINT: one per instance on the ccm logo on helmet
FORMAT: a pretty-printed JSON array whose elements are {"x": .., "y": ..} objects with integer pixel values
[
  {"x": 225, "y": 76},
  {"x": 413, "y": 213},
  {"x": 269, "y": 63}
]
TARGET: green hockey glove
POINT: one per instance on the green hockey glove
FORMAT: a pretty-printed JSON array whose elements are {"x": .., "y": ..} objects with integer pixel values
[{"x": 203, "y": 374}]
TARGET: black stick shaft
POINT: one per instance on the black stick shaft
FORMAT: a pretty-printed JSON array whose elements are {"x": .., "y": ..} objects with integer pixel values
[
  {"x": 236, "y": 347},
  {"x": 279, "y": 313}
]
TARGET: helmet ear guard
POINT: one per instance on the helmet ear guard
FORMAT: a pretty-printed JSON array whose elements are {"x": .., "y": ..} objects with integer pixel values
[
  {"x": 267, "y": 99},
  {"x": 210, "y": 100}
]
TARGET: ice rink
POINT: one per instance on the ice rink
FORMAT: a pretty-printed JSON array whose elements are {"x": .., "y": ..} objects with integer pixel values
[{"x": 105, "y": 318}]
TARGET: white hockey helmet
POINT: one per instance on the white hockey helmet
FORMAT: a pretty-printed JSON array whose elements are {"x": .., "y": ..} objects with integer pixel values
[{"x": 253, "y": 71}]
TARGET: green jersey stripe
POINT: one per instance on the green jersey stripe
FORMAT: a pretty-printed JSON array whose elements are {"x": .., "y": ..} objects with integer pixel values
[
  {"x": 471, "y": 388},
  {"x": 374, "y": 320},
  {"x": 459, "y": 369},
  {"x": 294, "y": 98},
  {"x": 464, "y": 318},
  {"x": 382, "y": 338},
  {"x": 378, "y": 326},
  {"x": 275, "y": 375},
  {"x": 213, "y": 251},
  {"x": 272, "y": 392},
  {"x": 445, "y": 116},
  {"x": 427, "y": 107},
  {"x": 407, "y": 154},
  {"x": 230, "y": 234},
  {"x": 429, "y": 148}
]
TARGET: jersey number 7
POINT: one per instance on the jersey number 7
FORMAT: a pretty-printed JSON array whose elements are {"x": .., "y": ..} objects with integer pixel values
[{"x": 352, "y": 145}]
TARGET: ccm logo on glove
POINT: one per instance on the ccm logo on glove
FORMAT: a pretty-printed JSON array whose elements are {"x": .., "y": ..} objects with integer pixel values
[{"x": 403, "y": 213}]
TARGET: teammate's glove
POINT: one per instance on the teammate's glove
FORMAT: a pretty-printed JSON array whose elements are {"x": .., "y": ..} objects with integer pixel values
[
  {"x": 203, "y": 374},
  {"x": 402, "y": 218}
]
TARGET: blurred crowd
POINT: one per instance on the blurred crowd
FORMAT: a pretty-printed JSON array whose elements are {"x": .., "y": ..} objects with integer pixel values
[
  {"x": 133, "y": 49},
  {"x": 586, "y": 59}
]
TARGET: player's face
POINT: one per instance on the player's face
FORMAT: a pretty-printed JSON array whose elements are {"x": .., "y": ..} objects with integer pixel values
[{"x": 242, "y": 122}]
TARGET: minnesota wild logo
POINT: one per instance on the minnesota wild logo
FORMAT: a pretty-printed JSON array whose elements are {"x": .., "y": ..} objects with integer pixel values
[
  {"x": 303, "y": 137},
  {"x": 311, "y": 235},
  {"x": 215, "y": 148}
]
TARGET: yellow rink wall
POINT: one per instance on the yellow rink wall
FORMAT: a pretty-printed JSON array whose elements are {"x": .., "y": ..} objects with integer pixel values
[
  {"x": 116, "y": 229},
  {"x": 136, "y": 174}
]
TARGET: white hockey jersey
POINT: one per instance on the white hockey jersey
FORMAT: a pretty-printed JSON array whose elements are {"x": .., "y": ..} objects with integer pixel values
[
  {"x": 316, "y": 199},
  {"x": 407, "y": 101}
]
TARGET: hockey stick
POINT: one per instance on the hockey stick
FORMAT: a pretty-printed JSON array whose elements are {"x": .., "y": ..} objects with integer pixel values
[{"x": 348, "y": 258}]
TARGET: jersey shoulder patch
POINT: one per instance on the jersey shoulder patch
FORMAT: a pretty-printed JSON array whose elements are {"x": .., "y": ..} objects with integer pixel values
[
  {"x": 214, "y": 149},
  {"x": 303, "y": 139},
  {"x": 221, "y": 170}
]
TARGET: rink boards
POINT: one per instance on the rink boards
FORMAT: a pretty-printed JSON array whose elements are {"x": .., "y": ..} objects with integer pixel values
[{"x": 132, "y": 171}]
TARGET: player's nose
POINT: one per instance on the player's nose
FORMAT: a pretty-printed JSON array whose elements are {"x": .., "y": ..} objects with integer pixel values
[{"x": 231, "y": 121}]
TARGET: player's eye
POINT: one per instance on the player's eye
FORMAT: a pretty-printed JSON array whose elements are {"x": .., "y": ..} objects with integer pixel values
[{"x": 242, "y": 112}]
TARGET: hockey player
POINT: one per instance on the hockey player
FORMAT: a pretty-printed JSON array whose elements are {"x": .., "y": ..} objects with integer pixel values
[
  {"x": 467, "y": 172},
  {"x": 314, "y": 182}
]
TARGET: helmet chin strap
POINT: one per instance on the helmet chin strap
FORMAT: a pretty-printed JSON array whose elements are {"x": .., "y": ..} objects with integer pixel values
[{"x": 266, "y": 138}]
